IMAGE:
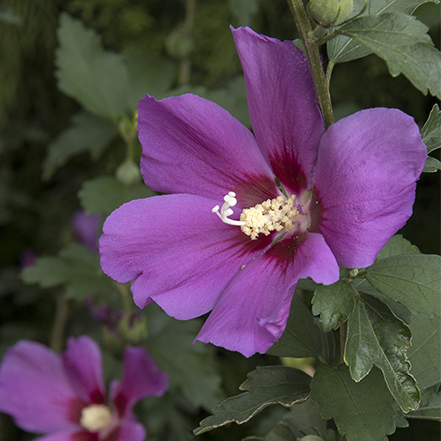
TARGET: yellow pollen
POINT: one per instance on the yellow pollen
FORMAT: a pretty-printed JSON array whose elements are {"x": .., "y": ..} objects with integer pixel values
[
  {"x": 96, "y": 417},
  {"x": 271, "y": 215}
]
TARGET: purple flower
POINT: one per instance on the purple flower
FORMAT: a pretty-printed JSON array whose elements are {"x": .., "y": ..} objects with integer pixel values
[
  {"x": 85, "y": 227},
  {"x": 64, "y": 397},
  {"x": 337, "y": 198}
]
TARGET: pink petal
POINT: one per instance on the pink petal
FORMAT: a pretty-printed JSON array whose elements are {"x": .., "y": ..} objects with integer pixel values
[
  {"x": 141, "y": 379},
  {"x": 180, "y": 254},
  {"x": 286, "y": 119},
  {"x": 132, "y": 431},
  {"x": 70, "y": 435},
  {"x": 252, "y": 312},
  {"x": 82, "y": 363},
  {"x": 191, "y": 145},
  {"x": 365, "y": 178},
  {"x": 34, "y": 389}
]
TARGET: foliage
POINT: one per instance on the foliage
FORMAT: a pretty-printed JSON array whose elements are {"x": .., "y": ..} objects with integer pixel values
[{"x": 69, "y": 141}]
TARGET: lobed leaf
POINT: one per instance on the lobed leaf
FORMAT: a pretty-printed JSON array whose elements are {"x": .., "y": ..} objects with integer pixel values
[
  {"x": 431, "y": 131},
  {"x": 342, "y": 48},
  {"x": 105, "y": 193},
  {"x": 87, "y": 133},
  {"x": 412, "y": 280},
  {"x": 430, "y": 407},
  {"x": 266, "y": 385},
  {"x": 403, "y": 43},
  {"x": 395, "y": 246},
  {"x": 425, "y": 353},
  {"x": 76, "y": 267},
  {"x": 362, "y": 411},
  {"x": 334, "y": 303},
  {"x": 95, "y": 77},
  {"x": 431, "y": 165},
  {"x": 300, "y": 420},
  {"x": 148, "y": 73},
  {"x": 377, "y": 337},
  {"x": 431, "y": 135}
]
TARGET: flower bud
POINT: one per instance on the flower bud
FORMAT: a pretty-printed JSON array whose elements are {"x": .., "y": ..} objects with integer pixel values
[
  {"x": 179, "y": 43},
  {"x": 330, "y": 12},
  {"x": 128, "y": 173},
  {"x": 134, "y": 328}
]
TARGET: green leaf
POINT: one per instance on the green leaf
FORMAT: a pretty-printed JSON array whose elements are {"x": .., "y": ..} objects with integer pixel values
[
  {"x": 377, "y": 337},
  {"x": 76, "y": 267},
  {"x": 243, "y": 10},
  {"x": 342, "y": 49},
  {"x": 302, "y": 419},
  {"x": 362, "y": 411},
  {"x": 189, "y": 366},
  {"x": 334, "y": 303},
  {"x": 233, "y": 98},
  {"x": 301, "y": 337},
  {"x": 105, "y": 194},
  {"x": 266, "y": 385},
  {"x": 169, "y": 411},
  {"x": 97, "y": 78},
  {"x": 148, "y": 73},
  {"x": 425, "y": 352},
  {"x": 430, "y": 407},
  {"x": 431, "y": 131},
  {"x": 403, "y": 43},
  {"x": 87, "y": 133},
  {"x": 432, "y": 165},
  {"x": 397, "y": 245},
  {"x": 412, "y": 280}
]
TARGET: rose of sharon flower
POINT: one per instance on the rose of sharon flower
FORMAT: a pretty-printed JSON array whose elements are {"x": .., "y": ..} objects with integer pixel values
[
  {"x": 297, "y": 201},
  {"x": 64, "y": 396}
]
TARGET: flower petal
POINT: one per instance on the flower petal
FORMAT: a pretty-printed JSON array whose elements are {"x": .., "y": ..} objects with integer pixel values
[
  {"x": 132, "y": 431},
  {"x": 85, "y": 227},
  {"x": 141, "y": 379},
  {"x": 34, "y": 389},
  {"x": 82, "y": 363},
  {"x": 70, "y": 435},
  {"x": 365, "y": 178},
  {"x": 252, "y": 312},
  {"x": 180, "y": 253},
  {"x": 191, "y": 145},
  {"x": 284, "y": 113}
]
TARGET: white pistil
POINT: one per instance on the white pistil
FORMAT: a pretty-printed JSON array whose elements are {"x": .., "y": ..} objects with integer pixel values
[
  {"x": 225, "y": 211},
  {"x": 96, "y": 417}
]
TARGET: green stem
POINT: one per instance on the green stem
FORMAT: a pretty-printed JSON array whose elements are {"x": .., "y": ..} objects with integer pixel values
[
  {"x": 185, "y": 65},
  {"x": 315, "y": 63},
  {"x": 61, "y": 314},
  {"x": 126, "y": 297},
  {"x": 329, "y": 70}
]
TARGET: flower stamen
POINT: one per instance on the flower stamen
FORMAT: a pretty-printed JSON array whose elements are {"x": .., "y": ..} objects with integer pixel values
[
  {"x": 96, "y": 417},
  {"x": 271, "y": 215}
]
